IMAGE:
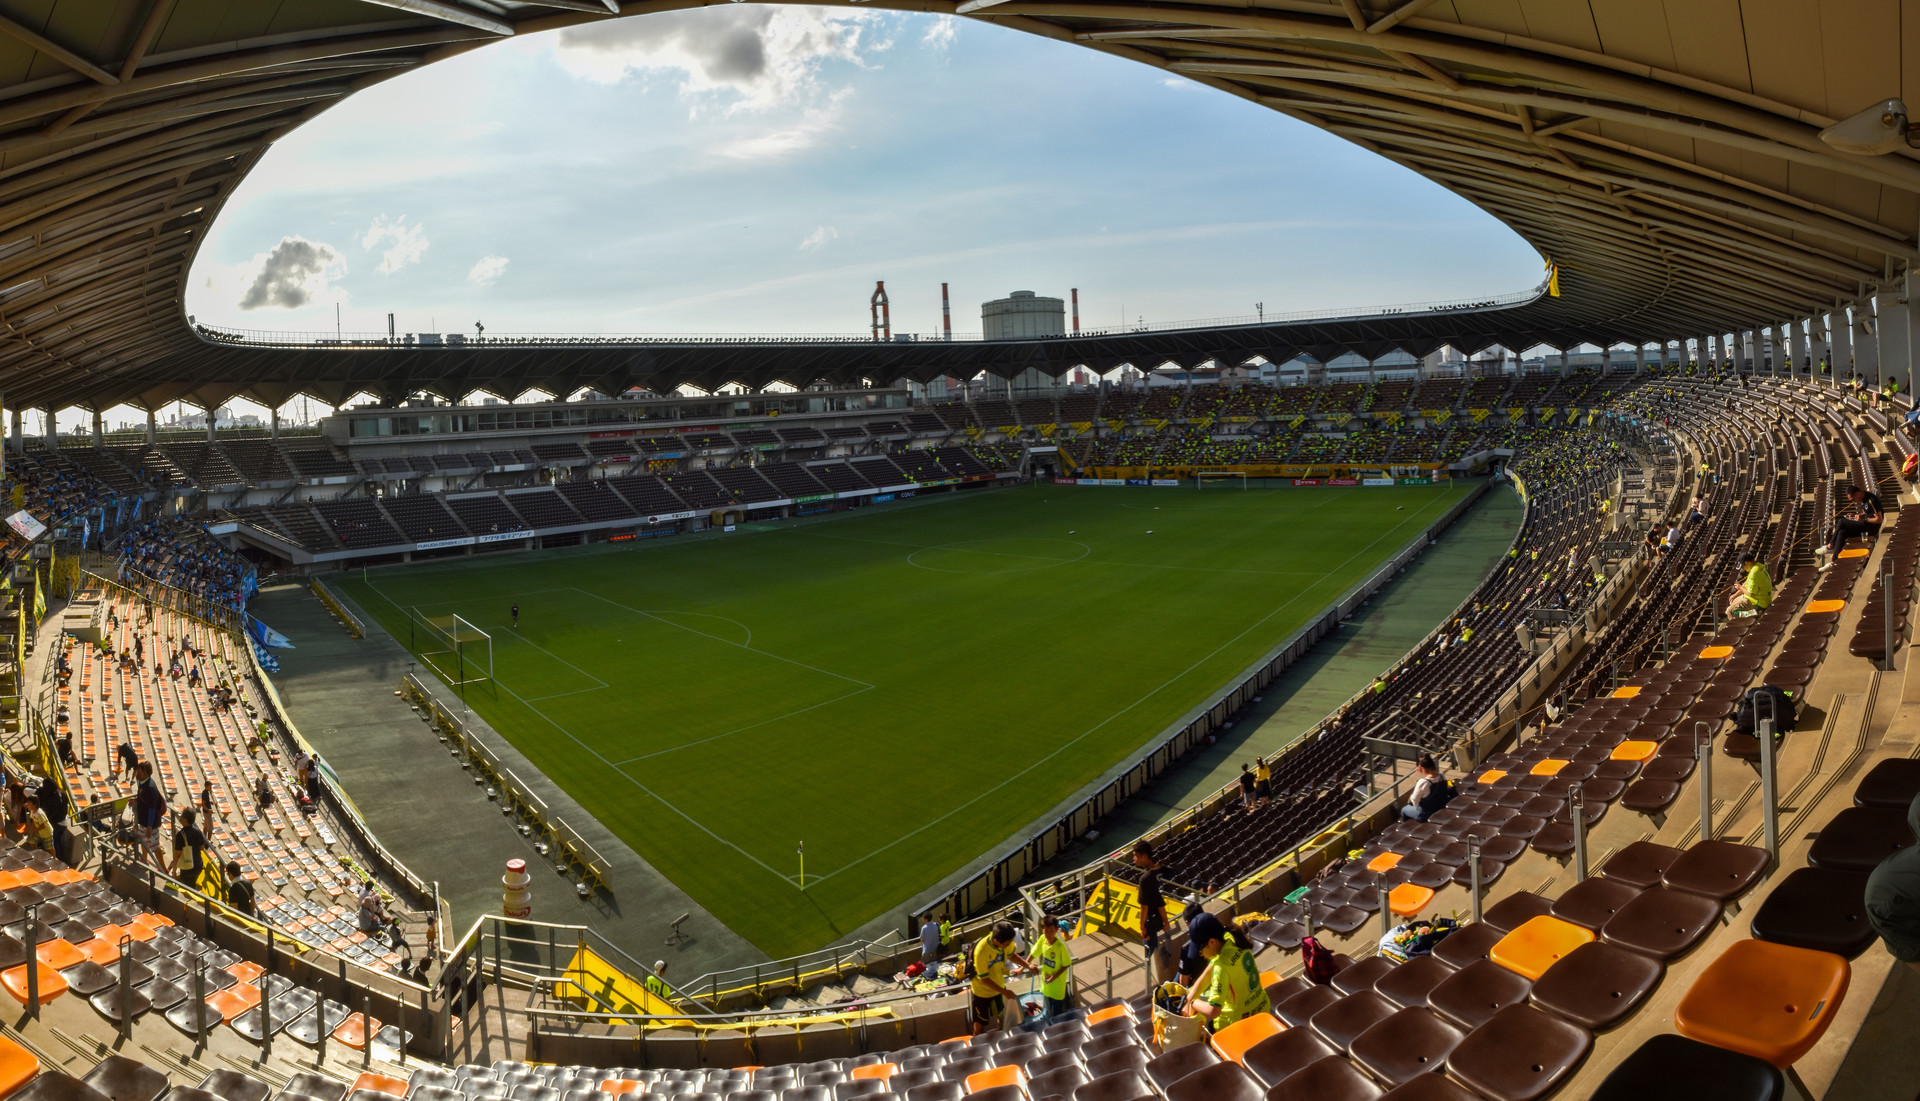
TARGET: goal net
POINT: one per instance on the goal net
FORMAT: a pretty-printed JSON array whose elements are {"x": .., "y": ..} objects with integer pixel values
[
  {"x": 451, "y": 646},
  {"x": 1225, "y": 477}
]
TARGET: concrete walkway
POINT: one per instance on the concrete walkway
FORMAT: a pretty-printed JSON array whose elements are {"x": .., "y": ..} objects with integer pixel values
[{"x": 428, "y": 811}]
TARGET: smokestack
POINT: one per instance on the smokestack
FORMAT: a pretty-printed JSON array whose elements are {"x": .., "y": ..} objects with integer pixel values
[
  {"x": 882, "y": 317},
  {"x": 1076, "y": 309},
  {"x": 946, "y": 315}
]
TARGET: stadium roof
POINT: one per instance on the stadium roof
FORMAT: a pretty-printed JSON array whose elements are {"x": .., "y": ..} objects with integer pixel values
[{"x": 1665, "y": 153}]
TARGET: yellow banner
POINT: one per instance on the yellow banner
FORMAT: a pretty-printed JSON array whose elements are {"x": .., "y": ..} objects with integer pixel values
[
  {"x": 599, "y": 987},
  {"x": 1008, "y": 430},
  {"x": 1480, "y": 414},
  {"x": 1516, "y": 412},
  {"x": 1114, "y": 907},
  {"x": 1433, "y": 414},
  {"x": 1116, "y": 423},
  {"x": 1081, "y": 427}
]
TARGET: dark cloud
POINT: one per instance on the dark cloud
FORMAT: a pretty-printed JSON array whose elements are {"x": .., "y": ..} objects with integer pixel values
[
  {"x": 728, "y": 45},
  {"x": 291, "y": 275}
]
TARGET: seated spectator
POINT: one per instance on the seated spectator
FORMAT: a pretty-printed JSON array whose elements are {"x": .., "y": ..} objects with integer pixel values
[
  {"x": 1430, "y": 792},
  {"x": 1893, "y": 898},
  {"x": 1229, "y": 988},
  {"x": 1754, "y": 594}
]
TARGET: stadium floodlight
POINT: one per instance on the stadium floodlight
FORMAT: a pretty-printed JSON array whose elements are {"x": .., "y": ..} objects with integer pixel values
[
  {"x": 451, "y": 646},
  {"x": 1873, "y": 131}
]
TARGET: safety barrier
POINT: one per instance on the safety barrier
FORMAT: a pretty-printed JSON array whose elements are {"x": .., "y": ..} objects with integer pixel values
[
  {"x": 339, "y": 609},
  {"x": 462, "y": 730}
]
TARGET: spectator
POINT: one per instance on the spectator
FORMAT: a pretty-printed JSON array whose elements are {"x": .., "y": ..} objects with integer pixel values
[
  {"x": 149, "y": 810},
  {"x": 993, "y": 962},
  {"x": 189, "y": 851},
  {"x": 1430, "y": 792},
  {"x": 1229, "y": 988},
  {"x": 1054, "y": 960},
  {"x": 1246, "y": 788},
  {"x": 1755, "y": 592},
  {"x": 929, "y": 940},
  {"x": 53, "y": 803},
  {"x": 1153, "y": 908},
  {"x": 39, "y": 831},
  {"x": 1893, "y": 898},
  {"x": 1262, "y": 781},
  {"x": 239, "y": 891},
  {"x": 1867, "y": 522}
]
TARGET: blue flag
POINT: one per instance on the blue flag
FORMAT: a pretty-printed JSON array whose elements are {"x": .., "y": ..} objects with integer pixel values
[
  {"x": 267, "y": 661},
  {"x": 267, "y": 636}
]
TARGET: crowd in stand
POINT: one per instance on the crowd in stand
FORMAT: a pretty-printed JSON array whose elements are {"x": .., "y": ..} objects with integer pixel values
[{"x": 181, "y": 554}]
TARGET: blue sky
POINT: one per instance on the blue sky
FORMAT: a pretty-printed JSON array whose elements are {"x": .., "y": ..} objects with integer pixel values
[{"x": 745, "y": 168}]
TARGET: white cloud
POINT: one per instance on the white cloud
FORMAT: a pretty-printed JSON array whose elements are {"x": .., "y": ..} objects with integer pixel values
[
  {"x": 761, "y": 55},
  {"x": 487, "y": 271},
  {"x": 294, "y": 274},
  {"x": 941, "y": 33},
  {"x": 788, "y": 137},
  {"x": 818, "y": 238},
  {"x": 405, "y": 243}
]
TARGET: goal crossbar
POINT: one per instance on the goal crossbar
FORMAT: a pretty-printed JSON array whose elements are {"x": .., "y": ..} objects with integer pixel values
[
  {"x": 1201, "y": 477},
  {"x": 451, "y": 645}
]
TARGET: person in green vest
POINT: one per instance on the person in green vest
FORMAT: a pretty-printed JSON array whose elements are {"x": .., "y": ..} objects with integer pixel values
[
  {"x": 1753, "y": 595},
  {"x": 1229, "y": 989},
  {"x": 1055, "y": 961},
  {"x": 656, "y": 982}
]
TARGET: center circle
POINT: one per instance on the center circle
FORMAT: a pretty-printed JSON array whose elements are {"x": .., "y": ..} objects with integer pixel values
[{"x": 1010, "y": 555}]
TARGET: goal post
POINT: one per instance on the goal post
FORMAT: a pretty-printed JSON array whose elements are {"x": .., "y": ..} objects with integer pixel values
[
  {"x": 451, "y": 646},
  {"x": 1202, "y": 477}
]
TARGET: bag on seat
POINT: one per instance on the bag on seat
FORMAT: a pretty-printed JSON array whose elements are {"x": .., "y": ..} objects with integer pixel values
[{"x": 1746, "y": 713}]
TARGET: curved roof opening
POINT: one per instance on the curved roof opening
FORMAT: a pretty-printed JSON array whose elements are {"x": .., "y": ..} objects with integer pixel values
[{"x": 755, "y": 169}]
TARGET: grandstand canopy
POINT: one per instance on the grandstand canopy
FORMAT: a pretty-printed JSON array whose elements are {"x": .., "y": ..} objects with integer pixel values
[{"x": 1665, "y": 153}]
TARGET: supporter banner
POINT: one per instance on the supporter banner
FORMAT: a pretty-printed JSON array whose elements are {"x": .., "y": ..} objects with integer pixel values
[
  {"x": 597, "y": 986},
  {"x": 1114, "y": 906},
  {"x": 502, "y": 536},
  {"x": 815, "y": 497},
  {"x": 26, "y": 526},
  {"x": 1306, "y": 481},
  {"x": 938, "y": 482},
  {"x": 670, "y": 517},
  {"x": 1343, "y": 481},
  {"x": 267, "y": 636},
  {"x": 436, "y": 544},
  {"x": 1376, "y": 481}
]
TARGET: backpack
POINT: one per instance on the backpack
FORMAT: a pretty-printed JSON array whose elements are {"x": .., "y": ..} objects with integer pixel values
[
  {"x": 1437, "y": 931},
  {"x": 1439, "y": 794},
  {"x": 1320, "y": 965},
  {"x": 1746, "y": 713},
  {"x": 966, "y": 961}
]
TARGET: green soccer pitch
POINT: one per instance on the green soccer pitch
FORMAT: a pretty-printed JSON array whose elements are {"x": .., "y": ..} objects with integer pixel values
[{"x": 902, "y": 688}]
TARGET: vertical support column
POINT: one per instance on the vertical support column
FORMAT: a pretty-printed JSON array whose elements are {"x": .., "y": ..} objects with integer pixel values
[
  {"x": 19, "y": 434},
  {"x": 274, "y": 424},
  {"x": 210, "y": 417},
  {"x": 1840, "y": 334},
  {"x": 153, "y": 429},
  {"x": 1564, "y": 370},
  {"x": 1910, "y": 317},
  {"x": 1712, "y": 349},
  {"x": 1890, "y": 325},
  {"x": 1820, "y": 342},
  {"x": 99, "y": 433},
  {"x": 50, "y": 427},
  {"x": 1640, "y": 359},
  {"x": 1802, "y": 345}
]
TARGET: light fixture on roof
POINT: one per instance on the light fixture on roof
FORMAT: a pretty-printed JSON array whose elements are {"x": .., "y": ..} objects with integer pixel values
[{"x": 1877, "y": 130}]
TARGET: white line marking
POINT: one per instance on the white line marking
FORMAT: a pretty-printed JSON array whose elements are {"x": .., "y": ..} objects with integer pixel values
[
  {"x": 743, "y": 729},
  {"x": 597, "y": 755},
  {"x": 1062, "y": 747},
  {"x": 557, "y": 695},
  {"x": 726, "y": 641}
]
